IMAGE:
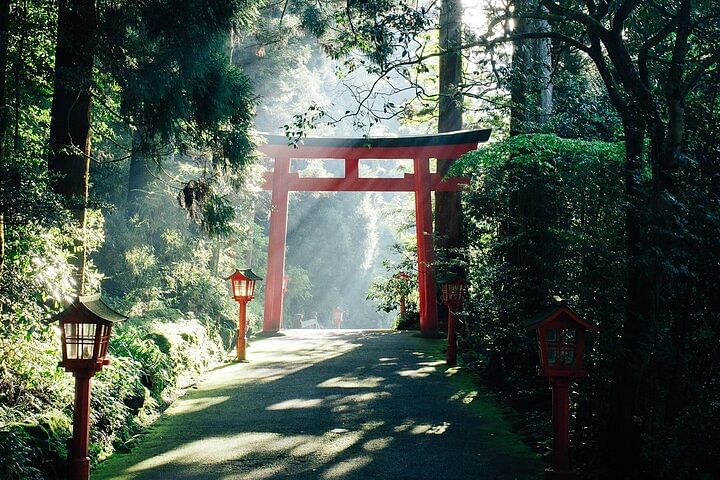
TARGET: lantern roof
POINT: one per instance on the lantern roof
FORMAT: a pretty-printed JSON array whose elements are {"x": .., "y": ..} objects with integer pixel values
[
  {"x": 452, "y": 279},
  {"x": 247, "y": 273},
  {"x": 557, "y": 308},
  {"x": 92, "y": 307}
]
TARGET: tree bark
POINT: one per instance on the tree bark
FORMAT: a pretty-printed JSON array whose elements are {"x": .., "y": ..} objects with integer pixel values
[
  {"x": 531, "y": 88},
  {"x": 69, "y": 158},
  {"x": 448, "y": 215},
  {"x": 4, "y": 116},
  {"x": 531, "y": 106},
  {"x": 623, "y": 435},
  {"x": 139, "y": 176},
  {"x": 519, "y": 72},
  {"x": 542, "y": 71}
]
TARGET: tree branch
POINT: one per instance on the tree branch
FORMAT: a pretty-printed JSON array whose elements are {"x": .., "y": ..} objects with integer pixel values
[
  {"x": 694, "y": 77},
  {"x": 622, "y": 14},
  {"x": 575, "y": 15},
  {"x": 644, "y": 51},
  {"x": 606, "y": 74}
]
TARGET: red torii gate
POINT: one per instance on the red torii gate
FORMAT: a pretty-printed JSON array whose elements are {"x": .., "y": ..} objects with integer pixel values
[{"x": 350, "y": 150}]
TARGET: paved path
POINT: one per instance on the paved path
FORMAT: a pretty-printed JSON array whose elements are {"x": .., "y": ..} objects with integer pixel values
[{"x": 331, "y": 405}]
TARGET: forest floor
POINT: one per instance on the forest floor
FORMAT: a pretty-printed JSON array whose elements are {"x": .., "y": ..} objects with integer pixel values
[{"x": 331, "y": 404}]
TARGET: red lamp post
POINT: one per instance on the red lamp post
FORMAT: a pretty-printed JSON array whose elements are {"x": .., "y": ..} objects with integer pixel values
[
  {"x": 453, "y": 296},
  {"x": 242, "y": 283},
  {"x": 561, "y": 342},
  {"x": 404, "y": 278},
  {"x": 85, "y": 328}
]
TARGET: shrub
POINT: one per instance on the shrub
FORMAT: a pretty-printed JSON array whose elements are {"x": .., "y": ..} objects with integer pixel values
[{"x": 35, "y": 449}]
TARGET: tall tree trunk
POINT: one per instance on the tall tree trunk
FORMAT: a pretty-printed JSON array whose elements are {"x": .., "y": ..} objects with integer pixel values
[
  {"x": 139, "y": 176},
  {"x": 4, "y": 117},
  {"x": 531, "y": 87},
  {"x": 623, "y": 440},
  {"x": 217, "y": 254},
  {"x": 519, "y": 72},
  {"x": 542, "y": 72},
  {"x": 69, "y": 159},
  {"x": 531, "y": 106},
  {"x": 448, "y": 219}
]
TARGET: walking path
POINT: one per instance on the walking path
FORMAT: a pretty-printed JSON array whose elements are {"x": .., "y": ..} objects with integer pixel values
[{"x": 331, "y": 404}]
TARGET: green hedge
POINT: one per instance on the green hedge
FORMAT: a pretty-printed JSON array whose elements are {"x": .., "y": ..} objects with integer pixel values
[{"x": 152, "y": 358}]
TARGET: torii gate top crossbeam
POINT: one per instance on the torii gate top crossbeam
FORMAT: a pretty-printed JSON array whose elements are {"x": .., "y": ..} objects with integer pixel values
[
  {"x": 351, "y": 150},
  {"x": 441, "y": 145}
]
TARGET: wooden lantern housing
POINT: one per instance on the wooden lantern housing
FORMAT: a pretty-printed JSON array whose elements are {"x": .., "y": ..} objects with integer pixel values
[
  {"x": 561, "y": 335},
  {"x": 454, "y": 292},
  {"x": 242, "y": 283},
  {"x": 85, "y": 328}
]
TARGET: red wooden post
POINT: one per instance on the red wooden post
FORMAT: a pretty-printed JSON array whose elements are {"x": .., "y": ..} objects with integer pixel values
[
  {"x": 561, "y": 341},
  {"x": 561, "y": 431},
  {"x": 453, "y": 295},
  {"x": 272, "y": 317},
  {"x": 85, "y": 328},
  {"x": 242, "y": 331},
  {"x": 451, "y": 353},
  {"x": 352, "y": 168},
  {"x": 426, "y": 256},
  {"x": 78, "y": 460}
]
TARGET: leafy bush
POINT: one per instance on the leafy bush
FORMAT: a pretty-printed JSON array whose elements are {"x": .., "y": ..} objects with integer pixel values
[
  {"x": 35, "y": 449},
  {"x": 410, "y": 320},
  {"x": 545, "y": 215}
]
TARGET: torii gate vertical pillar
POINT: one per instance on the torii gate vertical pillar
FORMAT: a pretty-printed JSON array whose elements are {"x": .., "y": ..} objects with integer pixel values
[
  {"x": 424, "y": 232},
  {"x": 272, "y": 318}
]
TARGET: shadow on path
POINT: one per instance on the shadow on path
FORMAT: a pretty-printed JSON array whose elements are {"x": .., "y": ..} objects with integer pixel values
[{"x": 330, "y": 405}]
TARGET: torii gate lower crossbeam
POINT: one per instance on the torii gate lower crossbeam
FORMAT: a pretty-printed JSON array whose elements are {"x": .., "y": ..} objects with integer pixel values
[{"x": 350, "y": 150}]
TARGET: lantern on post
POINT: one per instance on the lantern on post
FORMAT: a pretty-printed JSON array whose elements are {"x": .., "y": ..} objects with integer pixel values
[
  {"x": 561, "y": 335},
  {"x": 85, "y": 328},
  {"x": 242, "y": 284},
  {"x": 453, "y": 296},
  {"x": 404, "y": 278}
]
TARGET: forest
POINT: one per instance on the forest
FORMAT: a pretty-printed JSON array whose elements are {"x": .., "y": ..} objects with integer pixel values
[{"x": 128, "y": 166}]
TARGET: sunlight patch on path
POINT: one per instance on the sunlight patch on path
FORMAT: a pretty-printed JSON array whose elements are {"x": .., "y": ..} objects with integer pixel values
[{"x": 334, "y": 405}]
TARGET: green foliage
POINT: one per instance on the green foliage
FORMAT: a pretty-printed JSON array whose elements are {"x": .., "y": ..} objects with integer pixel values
[
  {"x": 410, "y": 320},
  {"x": 181, "y": 88},
  {"x": 16, "y": 455},
  {"x": 401, "y": 284},
  {"x": 35, "y": 449},
  {"x": 546, "y": 216}
]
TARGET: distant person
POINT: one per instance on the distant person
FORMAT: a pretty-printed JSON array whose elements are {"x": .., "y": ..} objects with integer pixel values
[{"x": 337, "y": 316}]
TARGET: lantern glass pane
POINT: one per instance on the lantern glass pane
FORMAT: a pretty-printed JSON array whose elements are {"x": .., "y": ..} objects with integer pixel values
[
  {"x": 561, "y": 346},
  {"x": 453, "y": 293},
  {"x": 80, "y": 340},
  {"x": 104, "y": 337},
  {"x": 243, "y": 288}
]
